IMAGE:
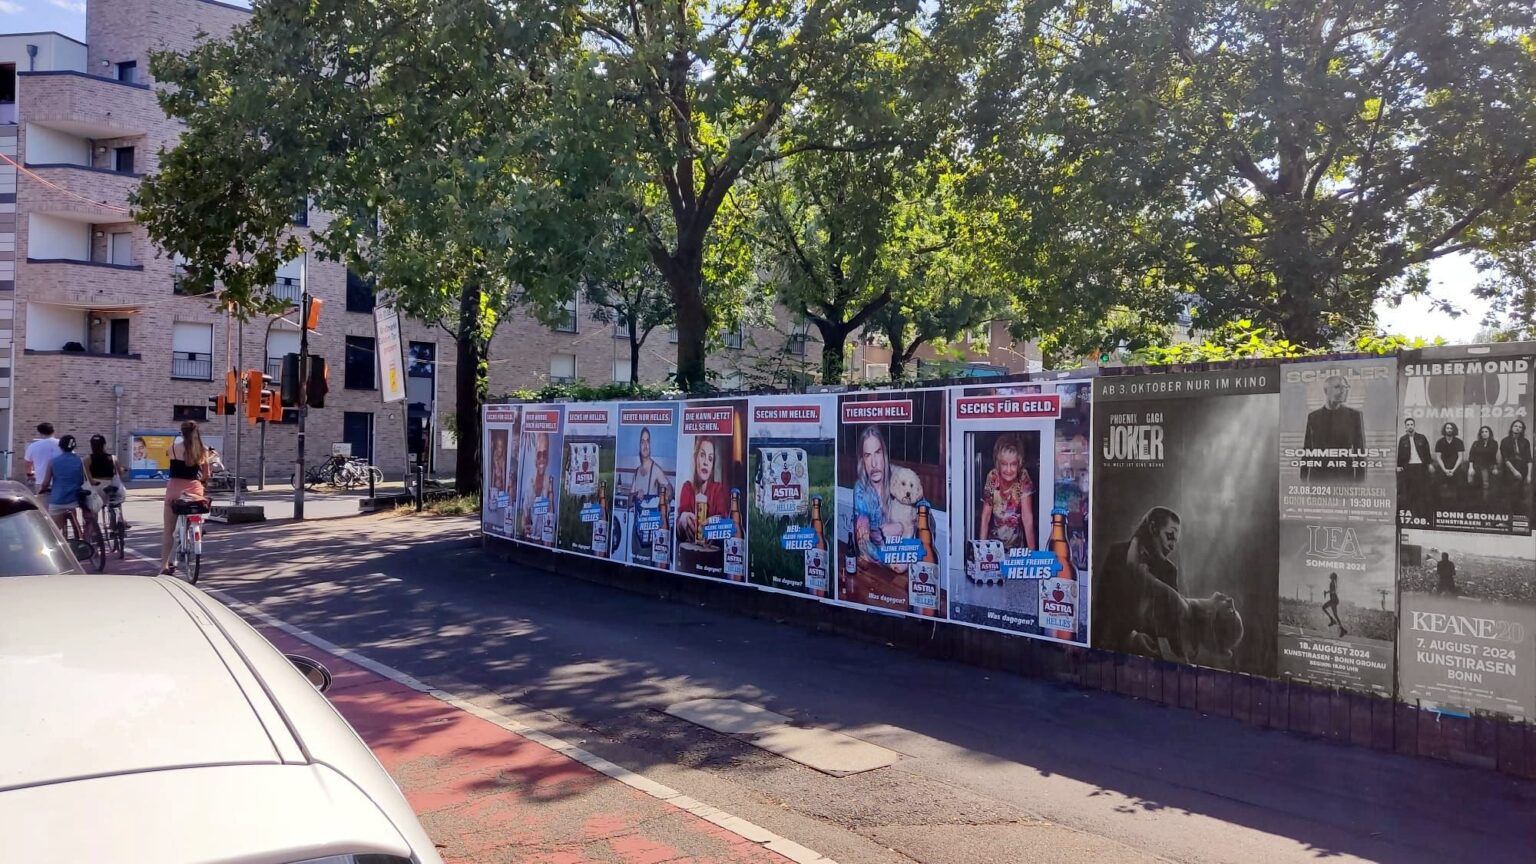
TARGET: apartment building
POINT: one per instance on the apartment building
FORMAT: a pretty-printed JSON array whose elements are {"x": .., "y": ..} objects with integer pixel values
[{"x": 100, "y": 339}]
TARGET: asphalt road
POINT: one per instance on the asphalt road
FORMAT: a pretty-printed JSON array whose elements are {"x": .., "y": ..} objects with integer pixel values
[{"x": 995, "y": 768}]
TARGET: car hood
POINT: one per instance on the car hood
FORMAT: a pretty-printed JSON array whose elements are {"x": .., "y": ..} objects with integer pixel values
[{"x": 104, "y": 675}]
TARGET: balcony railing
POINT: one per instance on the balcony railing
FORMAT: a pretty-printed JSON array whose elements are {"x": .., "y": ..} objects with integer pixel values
[
  {"x": 192, "y": 366},
  {"x": 7, "y": 113},
  {"x": 287, "y": 290},
  {"x": 275, "y": 368}
]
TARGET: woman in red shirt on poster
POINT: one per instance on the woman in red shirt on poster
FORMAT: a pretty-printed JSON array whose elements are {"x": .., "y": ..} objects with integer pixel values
[{"x": 701, "y": 486}]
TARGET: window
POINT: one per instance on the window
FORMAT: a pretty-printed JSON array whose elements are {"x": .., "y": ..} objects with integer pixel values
[
  {"x": 672, "y": 335},
  {"x": 357, "y": 430},
  {"x": 198, "y": 413},
  {"x": 562, "y": 369},
  {"x": 289, "y": 287},
  {"x": 128, "y": 72},
  {"x": 566, "y": 323},
  {"x": 301, "y": 211},
  {"x": 877, "y": 371},
  {"x": 192, "y": 351},
  {"x": 359, "y": 292},
  {"x": 621, "y": 371},
  {"x": 283, "y": 340},
  {"x": 736, "y": 338},
  {"x": 620, "y": 326},
  {"x": 796, "y": 346},
  {"x": 359, "y": 364},
  {"x": 731, "y": 379},
  {"x": 120, "y": 248},
  {"x": 122, "y": 160},
  {"x": 117, "y": 336}
]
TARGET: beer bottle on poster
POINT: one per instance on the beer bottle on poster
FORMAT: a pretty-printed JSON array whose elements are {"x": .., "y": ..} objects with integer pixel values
[
  {"x": 736, "y": 514},
  {"x": 821, "y": 536},
  {"x": 600, "y": 527},
  {"x": 923, "y": 576},
  {"x": 661, "y": 538},
  {"x": 817, "y": 559},
  {"x": 1059, "y": 547}
]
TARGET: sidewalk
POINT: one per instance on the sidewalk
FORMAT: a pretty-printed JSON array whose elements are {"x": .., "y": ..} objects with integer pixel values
[{"x": 486, "y": 794}]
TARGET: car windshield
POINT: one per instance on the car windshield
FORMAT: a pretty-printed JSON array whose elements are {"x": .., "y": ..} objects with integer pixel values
[{"x": 29, "y": 545}]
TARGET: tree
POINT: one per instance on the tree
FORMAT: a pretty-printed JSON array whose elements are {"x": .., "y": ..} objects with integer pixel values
[
  {"x": 1509, "y": 284},
  {"x": 624, "y": 290},
  {"x": 699, "y": 88},
  {"x": 1282, "y": 161},
  {"x": 422, "y": 128}
]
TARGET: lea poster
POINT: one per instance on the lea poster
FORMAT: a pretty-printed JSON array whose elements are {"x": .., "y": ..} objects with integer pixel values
[
  {"x": 1019, "y": 472},
  {"x": 792, "y": 505}
]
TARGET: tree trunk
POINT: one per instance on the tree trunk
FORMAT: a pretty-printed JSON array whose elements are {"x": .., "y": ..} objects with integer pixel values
[
  {"x": 634, "y": 354},
  {"x": 834, "y": 340},
  {"x": 685, "y": 277},
  {"x": 470, "y": 387},
  {"x": 898, "y": 368}
]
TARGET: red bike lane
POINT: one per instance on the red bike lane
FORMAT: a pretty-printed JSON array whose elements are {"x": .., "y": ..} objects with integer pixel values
[{"x": 487, "y": 794}]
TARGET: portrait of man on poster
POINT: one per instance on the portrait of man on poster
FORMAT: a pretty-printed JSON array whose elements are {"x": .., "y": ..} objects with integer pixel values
[{"x": 1335, "y": 426}]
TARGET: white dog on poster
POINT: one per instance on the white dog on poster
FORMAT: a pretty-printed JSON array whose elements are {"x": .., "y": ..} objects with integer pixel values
[{"x": 906, "y": 491}]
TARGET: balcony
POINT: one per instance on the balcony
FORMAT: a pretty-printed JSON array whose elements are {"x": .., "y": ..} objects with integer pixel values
[
  {"x": 191, "y": 366},
  {"x": 287, "y": 290},
  {"x": 94, "y": 194},
  {"x": 88, "y": 106},
  {"x": 7, "y": 113}
]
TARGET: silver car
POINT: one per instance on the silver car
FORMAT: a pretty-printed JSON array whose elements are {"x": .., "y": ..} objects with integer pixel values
[{"x": 143, "y": 721}]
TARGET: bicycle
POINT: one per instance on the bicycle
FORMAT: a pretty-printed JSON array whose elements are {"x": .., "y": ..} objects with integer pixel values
[
  {"x": 116, "y": 526},
  {"x": 344, "y": 472},
  {"x": 187, "y": 537},
  {"x": 92, "y": 536}
]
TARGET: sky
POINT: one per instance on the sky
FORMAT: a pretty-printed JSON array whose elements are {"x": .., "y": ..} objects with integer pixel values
[{"x": 1451, "y": 278}]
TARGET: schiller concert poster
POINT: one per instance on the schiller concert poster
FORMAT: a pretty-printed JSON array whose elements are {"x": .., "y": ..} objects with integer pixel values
[
  {"x": 538, "y": 475},
  {"x": 1464, "y": 445},
  {"x": 710, "y": 534},
  {"x": 500, "y": 423},
  {"x": 1185, "y": 516},
  {"x": 1019, "y": 465},
  {"x": 1338, "y": 523},
  {"x": 892, "y": 501},
  {"x": 791, "y": 505},
  {"x": 586, "y": 495},
  {"x": 645, "y": 480}
]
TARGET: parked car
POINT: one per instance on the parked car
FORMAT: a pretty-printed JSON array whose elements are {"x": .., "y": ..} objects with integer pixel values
[
  {"x": 30, "y": 544},
  {"x": 143, "y": 721}
]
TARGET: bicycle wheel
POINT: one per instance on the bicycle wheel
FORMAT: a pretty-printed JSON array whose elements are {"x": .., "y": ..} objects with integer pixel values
[
  {"x": 98, "y": 542},
  {"x": 188, "y": 562},
  {"x": 376, "y": 473},
  {"x": 119, "y": 533}
]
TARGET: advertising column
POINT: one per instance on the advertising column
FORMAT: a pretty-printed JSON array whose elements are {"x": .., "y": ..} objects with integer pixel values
[
  {"x": 645, "y": 481},
  {"x": 1019, "y": 545},
  {"x": 538, "y": 475},
  {"x": 500, "y": 448},
  {"x": 1185, "y": 519},
  {"x": 586, "y": 497},
  {"x": 892, "y": 501},
  {"x": 711, "y": 516},
  {"x": 1338, "y": 523},
  {"x": 792, "y": 508},
  {"x": 1467, "y": 567}
]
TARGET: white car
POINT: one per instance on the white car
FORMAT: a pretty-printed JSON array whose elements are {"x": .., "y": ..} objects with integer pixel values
[{"x": 143, "y": 721}]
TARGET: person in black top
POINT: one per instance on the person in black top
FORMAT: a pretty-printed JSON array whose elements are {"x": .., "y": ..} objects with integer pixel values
[
  {"x": 1515, "y": 466},
  {"x": 1413, "y": 461},
  {"x": 1331, "y": 604},
  {"x": 1484, "y": 461},
  {"x": 101, "y": 468},
  {"x": 1336, "y": 426},
  {"x": 1448, "y": 461},
  {"x": 1446, "y": 570}
]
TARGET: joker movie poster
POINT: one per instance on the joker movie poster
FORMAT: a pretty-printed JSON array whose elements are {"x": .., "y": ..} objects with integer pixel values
[
  {"x": 500, "y": 424},
  {"x": 1464, "y": 445},
  {"x": 586, "y": 524},
  {"x": 1019, "y": 471},
  {"x": 892, "y": 501},
  {"x": 1338, "y": 515},
  {"x": 1185, "y": 516},
  {"x": 791, "y": 507},
  {"x": 538, "y": 475},
  {"x": 645, "y": 479},
  {"x": 710, "y": 535}
]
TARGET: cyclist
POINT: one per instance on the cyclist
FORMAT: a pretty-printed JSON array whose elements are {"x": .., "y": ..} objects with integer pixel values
[
  {"x": 189, "y": 470},
  {"x": 102, "y": 467},
  {"x": 63, "y": 479}
]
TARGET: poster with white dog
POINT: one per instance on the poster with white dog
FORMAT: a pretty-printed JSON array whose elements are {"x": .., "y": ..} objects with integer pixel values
[
  {"x": 1019, "y": 466},
  {"x": 1186, "y": 550},
  {"x": 893, "y": 501}
]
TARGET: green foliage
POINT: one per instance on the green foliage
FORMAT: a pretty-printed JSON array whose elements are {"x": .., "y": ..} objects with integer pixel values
[
  {"x": 1243, "y": 340},
  {"x": 1509, "y": 286},
  {"x": 583, "y": 392}
]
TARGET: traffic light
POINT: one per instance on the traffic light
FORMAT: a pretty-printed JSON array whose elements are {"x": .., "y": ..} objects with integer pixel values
[
  {"x": 274, "y": 408},
  {"x": 231, "y": 388},
  {"x": 318, "y": 382},
  {"x": 289, "y": 383},
  {"x": 218, "y": 407},
  {"x": 312, "y": 321},
  {"x": 258, "y": 386}
]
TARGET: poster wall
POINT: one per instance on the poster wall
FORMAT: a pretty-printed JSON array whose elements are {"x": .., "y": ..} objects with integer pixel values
[
  {"x": 1186, "y": 542},
  {"x": 711, "y": 511},
  {"x": 792, "y": 505},
  {"x": 1019, "y": 472},
  {"x": 538, "y": 475},
  {"x": 501, "y": 432},
  {"x": 645, "y": 481},
  {"x": 892, "y": 501},
  {"x": 586, "y": 495},
  {"x": 1338, "y": 523}
]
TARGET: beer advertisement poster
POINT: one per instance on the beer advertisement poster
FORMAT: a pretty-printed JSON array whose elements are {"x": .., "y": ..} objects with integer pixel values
[
  {"x": 1464, "y": 446},
  {"x": 1468, "y": 630},
  {"x": 710, "y": 532},
  {"x": 1019, "y": 472},
  {"x": 586, "y": 523},
  {"x": 791, "y": 503},
  {"x": 1338, "y": 523},
  {"x": 1186, "y": 545},
  {"x": 538, "y": 475},
  {"x": 892, "y": 500},
  {"x": 645, "y": 480},
  {"x": 501, "y": 439}
]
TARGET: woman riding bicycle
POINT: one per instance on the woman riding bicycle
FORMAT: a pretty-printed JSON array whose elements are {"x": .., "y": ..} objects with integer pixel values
[
  {"x": 189, "y": 470},
  {"x": 62, "y": 482},
  {"x": 102, "y": 469}
]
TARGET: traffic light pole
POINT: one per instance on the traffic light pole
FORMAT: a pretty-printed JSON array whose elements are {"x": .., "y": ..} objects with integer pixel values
[
  {"x": 240, "y": 427},
  {"x": 298, "y": 471}
]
